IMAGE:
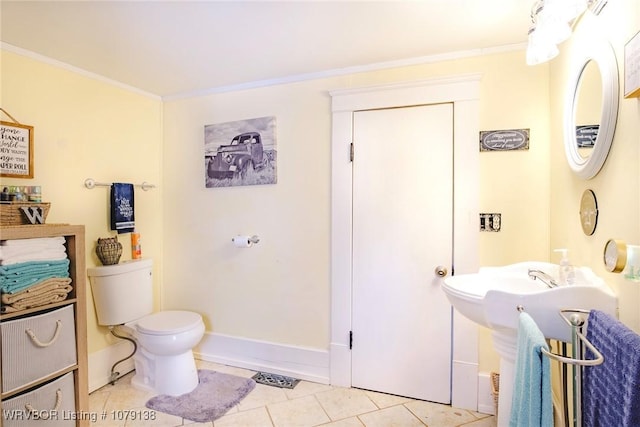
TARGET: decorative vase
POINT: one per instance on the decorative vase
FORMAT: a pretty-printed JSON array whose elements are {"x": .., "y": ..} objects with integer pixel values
[{"x": 109, "y": 250}]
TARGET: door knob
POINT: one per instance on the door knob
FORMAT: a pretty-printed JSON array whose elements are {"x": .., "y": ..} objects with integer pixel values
[{"x": 441, "y": 271}]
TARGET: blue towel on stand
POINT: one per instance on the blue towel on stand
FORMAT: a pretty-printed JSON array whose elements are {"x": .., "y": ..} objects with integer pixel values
[
  {"x": 122, "y": 212},
  {"x": 531, "y": 405},
  {"x": 611, "y": 391}
]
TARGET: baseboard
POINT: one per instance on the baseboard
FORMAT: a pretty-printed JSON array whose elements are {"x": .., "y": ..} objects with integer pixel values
[
  {"x": 297, "y": 362},
  {"x": 340, "y": 365},
  {"x": 463, "y": 376},
  {"x": 101, "y": 361},
  {"x": 486, "y": 403}
]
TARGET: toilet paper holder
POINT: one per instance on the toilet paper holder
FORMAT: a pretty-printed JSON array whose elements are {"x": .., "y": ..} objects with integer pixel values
[{"x": 245, "y": 241}]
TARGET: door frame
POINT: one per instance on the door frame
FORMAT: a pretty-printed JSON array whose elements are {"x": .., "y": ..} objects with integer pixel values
[{"x": 464, "y": 92}]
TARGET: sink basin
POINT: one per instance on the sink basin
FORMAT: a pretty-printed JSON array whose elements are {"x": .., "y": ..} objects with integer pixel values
[{"x": 491, "y": 297}]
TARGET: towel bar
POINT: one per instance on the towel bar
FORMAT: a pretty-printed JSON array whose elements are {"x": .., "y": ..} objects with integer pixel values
[
  {"x": 581, "y": 362},
  {"x": 90, "y": 183},
  {"x": 576, "y": 322}
]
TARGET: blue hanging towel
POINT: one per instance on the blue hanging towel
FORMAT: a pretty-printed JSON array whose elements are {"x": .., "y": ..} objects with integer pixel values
[
  {"x": 531, "y": 404},
  {"x": 611, "y": 391},
  {"x": 122, "y": 212}
]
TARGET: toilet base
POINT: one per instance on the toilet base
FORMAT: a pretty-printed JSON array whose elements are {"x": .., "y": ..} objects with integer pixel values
[{"x": 171, "y": 375}]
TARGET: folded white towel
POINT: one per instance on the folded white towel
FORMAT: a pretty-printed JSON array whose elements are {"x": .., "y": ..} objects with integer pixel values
[
  {"x": 35, "y": 241},
  {"x": 36, "y": 256},
  {"x": 36, "y": 249},
  {"x": 22, "y": 250}
]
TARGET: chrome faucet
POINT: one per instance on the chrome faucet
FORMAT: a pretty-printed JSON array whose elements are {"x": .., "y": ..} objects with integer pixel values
[{"x": 544, "y": 277}]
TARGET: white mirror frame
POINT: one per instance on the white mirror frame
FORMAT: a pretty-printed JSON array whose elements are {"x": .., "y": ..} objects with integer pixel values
[{"x": 602, "y": 54}]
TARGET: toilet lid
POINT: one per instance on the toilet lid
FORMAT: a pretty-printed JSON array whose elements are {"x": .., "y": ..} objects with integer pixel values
[{"x": 168, "y": 322}]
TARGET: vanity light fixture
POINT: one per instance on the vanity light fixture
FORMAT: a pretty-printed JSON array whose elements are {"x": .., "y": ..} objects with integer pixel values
[{"x": 551, "y": 25}]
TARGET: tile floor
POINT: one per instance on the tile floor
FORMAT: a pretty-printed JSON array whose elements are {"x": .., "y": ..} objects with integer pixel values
[{"x": 308, "y": 404}]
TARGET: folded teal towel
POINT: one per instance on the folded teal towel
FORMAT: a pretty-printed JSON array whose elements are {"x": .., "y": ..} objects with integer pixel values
[
  {"x": 17, "y": 277},
  {"x": 33, "y": 267},
  {"x": 531, "y": 405}
]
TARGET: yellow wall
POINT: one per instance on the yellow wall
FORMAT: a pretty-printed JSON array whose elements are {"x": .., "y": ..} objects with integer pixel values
[
  {"x": 617, "y": 186},
  {"x": 279, "y": 290},
  {"x": 86, "y": 128}
]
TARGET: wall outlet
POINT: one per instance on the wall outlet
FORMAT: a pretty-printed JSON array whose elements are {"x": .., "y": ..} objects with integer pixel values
[{"x": 490, "y": 221}]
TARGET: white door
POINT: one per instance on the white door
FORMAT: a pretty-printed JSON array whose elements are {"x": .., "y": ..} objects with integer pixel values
[{"x": 402, "y": 231}]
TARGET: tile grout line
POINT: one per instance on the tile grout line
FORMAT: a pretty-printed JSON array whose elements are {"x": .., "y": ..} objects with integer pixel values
[{"x": 315, "y": 396}]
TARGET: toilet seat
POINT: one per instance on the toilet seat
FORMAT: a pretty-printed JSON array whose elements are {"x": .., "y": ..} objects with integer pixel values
[{"x": 168, "y": 322}]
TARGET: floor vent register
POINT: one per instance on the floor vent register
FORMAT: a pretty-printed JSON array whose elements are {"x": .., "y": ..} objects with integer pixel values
[{"x": 275, "y": 380}]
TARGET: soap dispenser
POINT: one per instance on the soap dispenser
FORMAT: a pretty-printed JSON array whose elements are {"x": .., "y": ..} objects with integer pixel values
[{"x": 566, "y": 275}]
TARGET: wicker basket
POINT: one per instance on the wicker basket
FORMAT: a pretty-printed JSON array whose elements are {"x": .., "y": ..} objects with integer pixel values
[
  {"x": 495, "y": 390},
  {"x": 11, "y": 214},
  {"x": 108, "y": 250}
]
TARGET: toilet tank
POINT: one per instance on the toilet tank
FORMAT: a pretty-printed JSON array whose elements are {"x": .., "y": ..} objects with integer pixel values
[{"x": 122, "y": 292}]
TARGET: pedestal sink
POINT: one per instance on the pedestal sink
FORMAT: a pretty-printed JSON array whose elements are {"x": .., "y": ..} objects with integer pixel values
[{"x": 491, "y": 298}]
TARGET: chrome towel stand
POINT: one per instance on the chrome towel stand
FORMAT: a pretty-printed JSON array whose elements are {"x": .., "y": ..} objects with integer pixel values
[{"x": 576, "y": 320}]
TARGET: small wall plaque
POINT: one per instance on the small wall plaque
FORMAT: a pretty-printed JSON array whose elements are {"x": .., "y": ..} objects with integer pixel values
[
  {"x": 16, "y": 150},
  {"x": 588, "y": 212},
  {"x": 504, "y": 140},
  {"x": 632, "y": 67}
]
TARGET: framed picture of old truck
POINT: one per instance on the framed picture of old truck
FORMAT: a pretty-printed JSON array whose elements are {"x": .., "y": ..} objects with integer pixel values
[{"x": 240, "y": 153}]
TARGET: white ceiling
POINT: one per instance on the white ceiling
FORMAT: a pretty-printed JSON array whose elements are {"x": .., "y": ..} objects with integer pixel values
[{"x": 174, "y": 48}]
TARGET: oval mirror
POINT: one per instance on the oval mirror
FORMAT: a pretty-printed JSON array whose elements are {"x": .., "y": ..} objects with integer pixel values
[
  {"x": 591, "y": 107},
  {"x": 588, "y": 109}
]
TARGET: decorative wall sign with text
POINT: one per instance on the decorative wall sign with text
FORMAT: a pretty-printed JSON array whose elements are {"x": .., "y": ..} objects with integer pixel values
[
  {"x": 16, "y": 150},
  {"x": 504, "y": 140},
  {"x": 586, "y": 135}
]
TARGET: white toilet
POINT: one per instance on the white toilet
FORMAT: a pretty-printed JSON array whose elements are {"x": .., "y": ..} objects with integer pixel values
[{"x": 123, "y": 295}]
